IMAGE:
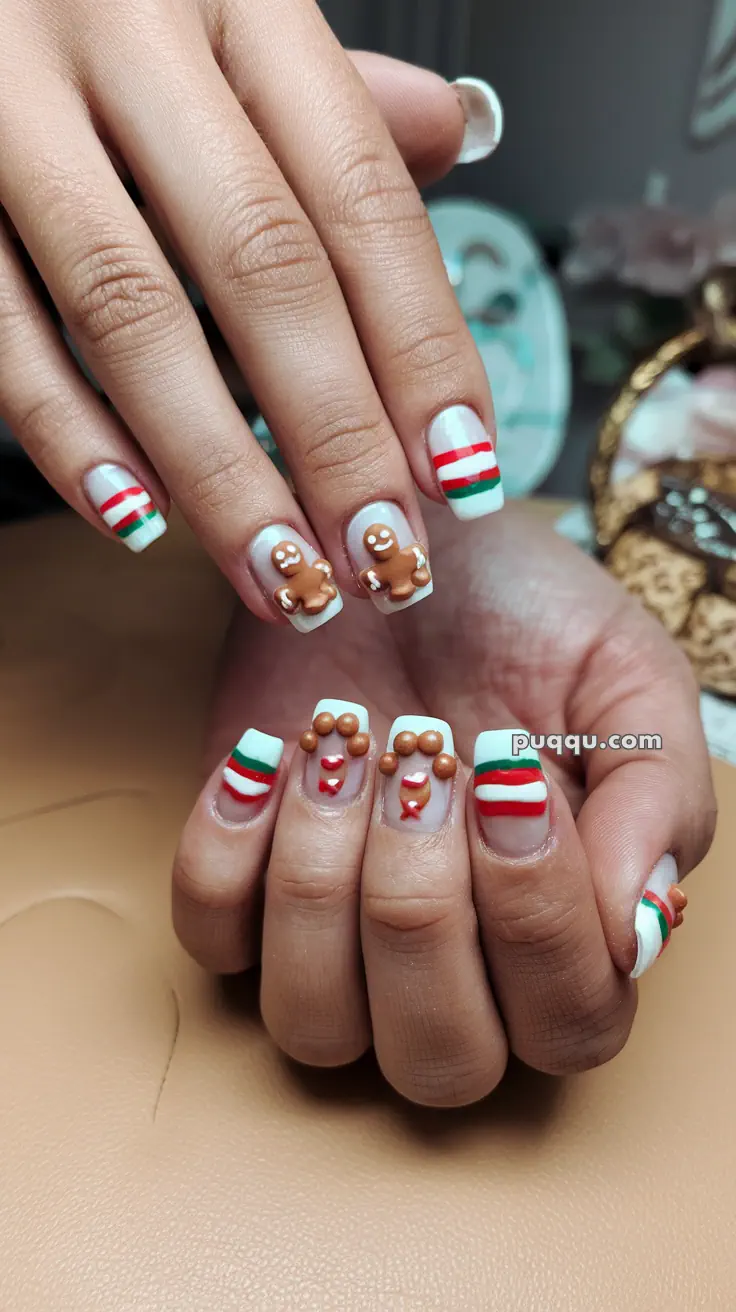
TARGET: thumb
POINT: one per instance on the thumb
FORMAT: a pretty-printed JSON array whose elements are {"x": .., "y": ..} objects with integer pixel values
[{"x": 434, "y": 123}]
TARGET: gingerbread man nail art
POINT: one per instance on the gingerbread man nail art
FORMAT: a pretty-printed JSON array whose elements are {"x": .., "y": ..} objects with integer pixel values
[
  {"x": 418, "y": 763},
  {"x": 309, "y": 587},
  {"x": 336, "y": 745},
  {"x": 398, "y": 571}
]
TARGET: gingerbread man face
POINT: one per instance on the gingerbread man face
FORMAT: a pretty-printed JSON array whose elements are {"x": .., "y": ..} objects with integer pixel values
[
  {"x": 415, "y": 787},
  {"x": 336, "y": 746},
  {"x": 398, "y": 571},
  {"x": 309, "y": 587}
]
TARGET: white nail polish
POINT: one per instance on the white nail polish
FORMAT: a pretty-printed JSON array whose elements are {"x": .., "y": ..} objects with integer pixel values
[
  {"x": 465, "y": 463},
  {"x": 336, "y": 747},
  {"x": 483, "y": 119},
  {"x": 391, "y": 565},
  {"x": 419, "y": 767},
  {"x": 249, "y": 775},
  {"x": 297, "y": 580},
  {"x": 658, "y": 913},
  {"x": 125, "y": 506}
]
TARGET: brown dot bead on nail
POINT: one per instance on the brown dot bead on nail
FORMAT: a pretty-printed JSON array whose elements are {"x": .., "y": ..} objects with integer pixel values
[
  {"x": 358, "y": 745},
  {"x": 405, "y": 743},
  {"x": 308, "y": 741},
  {"x": 347, "y": 724},
  {"x": 430, "y": 742},
  {"x": 389, "y": 763},
  {"x": 445, "y": 767},
  {"x": 324, "y": 724}
]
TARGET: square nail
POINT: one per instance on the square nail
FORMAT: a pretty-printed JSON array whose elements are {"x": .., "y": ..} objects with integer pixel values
[
  {"x": 293, "y": 575},
  {"x": 511, "y": 793},
  {"x": 391, "y": 565},
  {"x": 336, "y": 747},
  {"x": 465, "y": 463},
  {"x": 249, "y": 775},
  {"x": 125, "y": 506},
  {"x": 418, "y": 767},
  {"x": 658, "y": 913}
]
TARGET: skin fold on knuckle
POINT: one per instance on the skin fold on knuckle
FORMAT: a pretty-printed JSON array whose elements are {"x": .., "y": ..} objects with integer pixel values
[
  {"x": 334, "y": 443},
  {"x": 270, "y": 258},
  {"x": 118, "y": 303},
  {"x": 319, "y": 891},
  {"x": 534, "y": 924},
  {"x": 408, "y": 924},
  {"x": 220, "y": 480},
  {"x": 435, "y": 360},
  {"x": 370, "y": 197}
]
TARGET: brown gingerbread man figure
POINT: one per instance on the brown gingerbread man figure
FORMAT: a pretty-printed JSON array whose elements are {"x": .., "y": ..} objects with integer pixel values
[
  {"x": 416, "y": 786},
  {"x": 399, "y": 571},
  {"x": 309, "y": 587}
]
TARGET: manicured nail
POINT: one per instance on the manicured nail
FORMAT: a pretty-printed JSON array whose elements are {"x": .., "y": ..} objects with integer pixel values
[
  {"x": 483, "y": 119},
  {"x": 296, "y": 579},
  {"x": 511, "y": 793},
  {"x": 336, "y": 746},
  {"x": 658, "y": 913},
  {"x": 391, "y": 565},
  {"x": 418, "y": 766},
  {"x": 465, "y": 463},
  {"x": 249, "y": 775},
  {"x": 125, "y": 506}
]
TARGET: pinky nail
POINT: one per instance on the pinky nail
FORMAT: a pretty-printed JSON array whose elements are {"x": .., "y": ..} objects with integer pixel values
[
  {"x": 336, "y": 747},
  {"x": 249, "y": 775},
  {"x": 125, "y": 506},
  {"x": 658, "y": 913},
  {"x": 511, "y": 793},
  {"x": 483, "y": 113},
  {"x": 465, "y": 463}
]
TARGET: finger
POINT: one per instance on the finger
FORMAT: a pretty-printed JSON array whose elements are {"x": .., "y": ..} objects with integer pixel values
[
  {"x": 434, "y": 124},
  {"x": 436, "y": 1031},
  {"x": 335, "y": 152},
  {"x": 142, "y": 340},
  {"x": 565, "y": 1006},
  {"x": 78, "y": 445},
  {"x": 313, "y": 998},
  {"x": 650, "y": 814},
  {"x": 217, "y": 891},
  {"x": 269, "y": 283}
]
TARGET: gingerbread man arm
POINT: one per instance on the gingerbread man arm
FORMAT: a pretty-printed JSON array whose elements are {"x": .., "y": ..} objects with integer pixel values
[
  {"x": 325, "y": 567},
  {"x": 285, "y": 598},
  {"x": 371, "y": 579}
]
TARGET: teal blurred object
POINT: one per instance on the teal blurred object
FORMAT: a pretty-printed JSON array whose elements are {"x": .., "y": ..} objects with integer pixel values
[{"x": 517, "y": 319}]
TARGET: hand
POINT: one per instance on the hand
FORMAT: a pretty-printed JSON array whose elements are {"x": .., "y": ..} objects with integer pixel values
[
  {"x": 270, "y": 171},
  {"x": 447, "y": 938}
]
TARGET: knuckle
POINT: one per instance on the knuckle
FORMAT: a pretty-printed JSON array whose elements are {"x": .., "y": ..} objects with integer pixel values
[
  {"x": 432, "y": 357},
  {"x": 334, "y": 444},
  {"x": 585, "y": 1028},
  {"x": 270, "y": 256},
  {"x": 441, "y": 1080},
  {"x": 369, "y": 193},
  {"x": 219, "y": 478},
  {"x": 407, "y": 922},
  {"x": 116, "y": 298},
  {"x": 316, "y": 888},
  {"x": 537, "y": 925},
  {"x": 42, "y": 423}
]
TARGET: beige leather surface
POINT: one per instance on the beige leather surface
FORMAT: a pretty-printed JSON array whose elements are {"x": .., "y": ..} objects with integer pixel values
[{"x": 158, "y": 1155}]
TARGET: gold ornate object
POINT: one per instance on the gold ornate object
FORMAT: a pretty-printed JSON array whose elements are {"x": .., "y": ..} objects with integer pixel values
[{"x": 668, "y": 533}]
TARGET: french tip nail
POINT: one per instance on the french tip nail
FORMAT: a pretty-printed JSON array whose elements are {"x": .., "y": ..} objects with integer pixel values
[
  {"x": 483, "y": 119},
  {"x": 393, "y": 568},
  {"x": 656, "y": 915},
  {"x": 465, "y": 463},
  {"x": 249, "y": 775},
  {"x": 511, "y": 793},
  {"x": 125, "y": 506}
]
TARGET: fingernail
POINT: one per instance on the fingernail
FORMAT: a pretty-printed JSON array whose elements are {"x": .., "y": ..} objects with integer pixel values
[
  {"x": 511, "y": 793},
  {"x": 419, "y": 767},
  {"x": 125, "y": 506},
  {"x": 336, "y": 747},
  {"x": 465, "y": 463},
  {"x": 295, "y": 578},
  {"x": 391, "y": 565},
  {"x": 249, "y": 775},
  {"x": 658, "y": 913},
  {"x": 483, "y": 119}
]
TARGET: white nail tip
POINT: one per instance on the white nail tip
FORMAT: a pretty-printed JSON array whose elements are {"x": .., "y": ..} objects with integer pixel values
[
  {"x": 650, "y": 924},
  {"x": 336, "y": 708},
  {"x": 483, "y": 119}
]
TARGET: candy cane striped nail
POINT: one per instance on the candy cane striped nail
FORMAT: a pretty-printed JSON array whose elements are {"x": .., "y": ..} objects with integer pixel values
[
  {"x": 125, "y": 506},
  {"x": 658, "y": 913},
  {"x": 511, "y": 793},
  {"x": 465, "y": 463},
  {"x": 249, "y": 775}
]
